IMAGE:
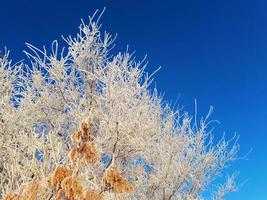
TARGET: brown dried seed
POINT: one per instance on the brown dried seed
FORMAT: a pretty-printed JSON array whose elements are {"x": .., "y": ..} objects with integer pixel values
[
  {"x": 113, "y": 179},
  {"x": 93, "y": 195},
  {"x": 11, "y": 196},
  {"x": 72, "y": 188},
  {"x": 59, "y": 174}
]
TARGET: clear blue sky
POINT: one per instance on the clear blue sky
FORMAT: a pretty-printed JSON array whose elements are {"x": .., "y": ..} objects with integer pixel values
[{"x": 214, "y": 51}]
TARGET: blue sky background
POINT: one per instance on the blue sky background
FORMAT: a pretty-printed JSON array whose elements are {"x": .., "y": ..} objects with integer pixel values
[{"x": 214, "y": 51}]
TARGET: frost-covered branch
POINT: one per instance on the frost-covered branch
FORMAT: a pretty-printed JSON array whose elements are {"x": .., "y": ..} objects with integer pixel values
[{"x": 159, "y": 150}]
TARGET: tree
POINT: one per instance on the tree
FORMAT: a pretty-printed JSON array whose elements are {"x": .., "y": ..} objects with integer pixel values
[{"x": 82, "y": 124}]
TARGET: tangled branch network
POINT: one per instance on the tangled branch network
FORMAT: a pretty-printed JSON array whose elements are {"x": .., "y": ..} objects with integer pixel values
[{"x": 80, "y": 123}]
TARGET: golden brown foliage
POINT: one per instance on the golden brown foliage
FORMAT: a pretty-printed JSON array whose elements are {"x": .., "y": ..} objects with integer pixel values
[
  {"x": 59, "y": 175},
  {"x": 114, "y": 180},
  {"x": 84, "y": 148},
  {"x": 93, "y": 195},
  {"x": 65, "y": 184},
  {"x": 30, "y": 193},
  {"x": 72, "y": 188},
  {"x": 11, "y": 196}
]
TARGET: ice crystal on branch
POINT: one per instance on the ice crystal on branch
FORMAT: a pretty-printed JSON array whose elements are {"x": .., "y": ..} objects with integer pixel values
[{"x": 66, "y": 110}]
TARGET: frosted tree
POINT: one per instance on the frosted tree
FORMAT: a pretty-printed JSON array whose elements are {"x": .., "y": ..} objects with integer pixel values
[{"x": 79, "y": 123}]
